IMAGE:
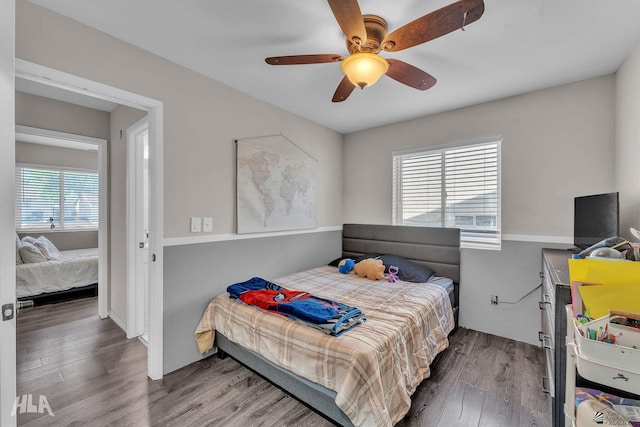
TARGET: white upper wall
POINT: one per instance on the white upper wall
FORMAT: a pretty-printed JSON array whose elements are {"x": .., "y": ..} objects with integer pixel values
[
  {"x": 628, "y": 141},
  {"x": 45, "y": 113},
  {"x": 202, "y": 118},
  {"x": 38, "y": 154},
  {"x": 557, "y": 144}
]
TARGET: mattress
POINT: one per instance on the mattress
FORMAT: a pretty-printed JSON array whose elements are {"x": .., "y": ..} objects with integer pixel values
[
  {"x": 75, "y": 268},
  {"x": 373, "y": 368}
]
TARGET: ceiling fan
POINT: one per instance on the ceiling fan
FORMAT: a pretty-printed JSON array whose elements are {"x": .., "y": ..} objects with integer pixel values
[{"x": 367, "y": 36}]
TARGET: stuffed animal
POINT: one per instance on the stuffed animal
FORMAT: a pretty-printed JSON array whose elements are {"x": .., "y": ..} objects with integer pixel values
[
  {"x": 393, "y": 274},
  {"x": 370, "y": 268},
  {"x": 346, "y": 265}
]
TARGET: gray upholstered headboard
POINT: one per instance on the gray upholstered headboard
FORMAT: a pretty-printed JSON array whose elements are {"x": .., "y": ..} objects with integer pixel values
[{"x": 437, "y": 248}]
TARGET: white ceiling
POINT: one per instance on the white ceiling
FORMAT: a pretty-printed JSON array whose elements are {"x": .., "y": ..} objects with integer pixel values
[{"x": 517, "y": 46}]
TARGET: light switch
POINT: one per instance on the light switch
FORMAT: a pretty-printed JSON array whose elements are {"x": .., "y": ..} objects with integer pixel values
[
  {"x": 196, "y": 224},
  {"x": 207, "y": 224}
]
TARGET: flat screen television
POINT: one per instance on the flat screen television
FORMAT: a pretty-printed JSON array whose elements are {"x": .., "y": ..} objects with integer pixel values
[{"x": 595, "y": 218}]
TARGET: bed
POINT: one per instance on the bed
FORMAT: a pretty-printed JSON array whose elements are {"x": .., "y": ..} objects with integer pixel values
[
  {"x": 74, "y": 270},
  {"x": 365, "y": 376}
]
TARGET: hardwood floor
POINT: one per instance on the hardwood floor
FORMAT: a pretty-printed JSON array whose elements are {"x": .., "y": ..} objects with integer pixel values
[{"x": 91, "y": 375}]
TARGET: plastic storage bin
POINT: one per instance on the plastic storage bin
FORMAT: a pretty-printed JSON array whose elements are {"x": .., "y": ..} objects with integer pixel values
[
  {"x": 621, "y": 378},
  {"x": 622, "y": 354},
  {"x": 615, "y": 365}
]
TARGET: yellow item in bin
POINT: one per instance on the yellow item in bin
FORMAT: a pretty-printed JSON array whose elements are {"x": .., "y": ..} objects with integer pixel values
[
  {"x": 604, "y": 271},
  {"x": 598, "y": 300},
  {"x": 603, "y": 284}
]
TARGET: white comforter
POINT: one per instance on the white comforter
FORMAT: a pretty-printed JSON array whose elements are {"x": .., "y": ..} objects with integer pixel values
[{"x": 75, "y": 268}]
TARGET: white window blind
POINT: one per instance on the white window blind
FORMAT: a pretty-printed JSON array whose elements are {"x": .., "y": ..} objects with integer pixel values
[
  {"x": 50, "y": 198},
  {"x": 451, "y": 187}
]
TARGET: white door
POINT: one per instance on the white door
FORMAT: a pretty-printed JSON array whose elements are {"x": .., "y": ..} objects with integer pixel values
[
  {"x": 138, "y": 229},
  {"x": 7, "y": 227}
]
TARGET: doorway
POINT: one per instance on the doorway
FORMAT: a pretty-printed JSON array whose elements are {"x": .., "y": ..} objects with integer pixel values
[
  {"x": 77, "y": 85},
  {"x": 79, "y": 142}
]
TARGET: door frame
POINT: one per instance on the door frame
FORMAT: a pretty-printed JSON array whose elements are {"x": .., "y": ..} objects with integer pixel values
[
  {"x": 135, "y": 319},
  {"x": 59, "y": 79},
  {"x": 44, "y": 136},
  {"x": 7, "y": 210}
]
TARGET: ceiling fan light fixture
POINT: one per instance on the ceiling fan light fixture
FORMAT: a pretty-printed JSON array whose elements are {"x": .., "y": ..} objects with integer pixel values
[{"x": 364, "y": 68}]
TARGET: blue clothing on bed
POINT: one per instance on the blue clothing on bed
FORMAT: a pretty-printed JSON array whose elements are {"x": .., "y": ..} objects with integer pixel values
[{"x": 331, "y": 317}]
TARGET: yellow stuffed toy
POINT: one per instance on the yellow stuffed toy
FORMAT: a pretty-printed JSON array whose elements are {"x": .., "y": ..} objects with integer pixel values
[{"x": 370, "y": 268}]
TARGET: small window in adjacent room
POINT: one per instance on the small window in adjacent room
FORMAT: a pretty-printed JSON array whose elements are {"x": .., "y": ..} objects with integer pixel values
[
  {"x": 50, "y": 198},
  {"x": 455, "y": 186}
]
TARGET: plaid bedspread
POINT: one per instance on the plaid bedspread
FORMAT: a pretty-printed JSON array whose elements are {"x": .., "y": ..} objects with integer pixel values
[{"x": 374, "y": 368}]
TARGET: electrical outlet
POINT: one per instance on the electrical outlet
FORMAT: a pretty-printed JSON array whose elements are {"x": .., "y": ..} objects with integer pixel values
[
  {"x": 207, "y": 225},
  {"x": 494, "y": 299}
]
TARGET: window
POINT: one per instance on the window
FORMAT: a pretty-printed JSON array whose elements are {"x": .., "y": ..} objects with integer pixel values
[
  {"x": 451, "y": 187},
  {"x": 54, "y": 198}
]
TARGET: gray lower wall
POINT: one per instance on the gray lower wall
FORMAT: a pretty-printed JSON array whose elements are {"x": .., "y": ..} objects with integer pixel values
[
  {"x": 194, "y": 274},
  {"x": 508, "y": 273}
]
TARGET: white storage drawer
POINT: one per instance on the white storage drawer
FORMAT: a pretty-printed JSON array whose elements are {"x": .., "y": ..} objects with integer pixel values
[{"x": 622, "y": 379}]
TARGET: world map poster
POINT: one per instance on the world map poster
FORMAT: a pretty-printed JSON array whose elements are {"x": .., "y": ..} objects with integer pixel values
[{"x": 276, "y": 186}]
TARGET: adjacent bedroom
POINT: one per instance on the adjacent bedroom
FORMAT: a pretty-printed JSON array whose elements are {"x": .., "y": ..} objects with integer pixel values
[{"x": 57, "y": 221}]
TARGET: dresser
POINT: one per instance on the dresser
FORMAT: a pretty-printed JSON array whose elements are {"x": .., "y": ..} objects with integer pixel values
[{"x": 556, "y": 294}]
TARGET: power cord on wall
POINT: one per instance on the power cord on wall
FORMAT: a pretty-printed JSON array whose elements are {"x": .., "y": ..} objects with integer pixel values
[{"x": 516, "y": 302}]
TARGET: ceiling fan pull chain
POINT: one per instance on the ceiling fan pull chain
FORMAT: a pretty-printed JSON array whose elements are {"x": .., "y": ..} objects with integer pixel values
[{"x": 464, "y": 20}]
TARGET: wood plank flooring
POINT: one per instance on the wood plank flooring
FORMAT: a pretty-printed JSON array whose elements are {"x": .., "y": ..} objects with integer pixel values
[{"x": 91, "y": 375}]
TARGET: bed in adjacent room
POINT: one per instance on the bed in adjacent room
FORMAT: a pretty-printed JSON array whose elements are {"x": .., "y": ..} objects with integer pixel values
[
  {"x": 366, "y": 375},
  {"x": 42, "y": 270}
]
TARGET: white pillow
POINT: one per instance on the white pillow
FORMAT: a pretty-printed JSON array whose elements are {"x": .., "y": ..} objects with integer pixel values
[
  {"x": 47, "y": 248},
  {"x": 30, "y": 253},
  {"x": 18, "y": 244},
  {"x": 28, "y": 239}
]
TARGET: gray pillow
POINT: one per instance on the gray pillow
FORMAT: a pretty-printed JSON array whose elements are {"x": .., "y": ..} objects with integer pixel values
[{"x": 408, "y": 271}]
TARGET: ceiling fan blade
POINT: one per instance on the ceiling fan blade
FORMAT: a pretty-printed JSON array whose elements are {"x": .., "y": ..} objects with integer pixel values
[
  {"x": 433, "y": 25},
  {"x": 349, "y": 17},
  {"x": 410, "y": 75},
  {"x": 343, "y": 91},
  {"x": 303, "y": 59}
]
